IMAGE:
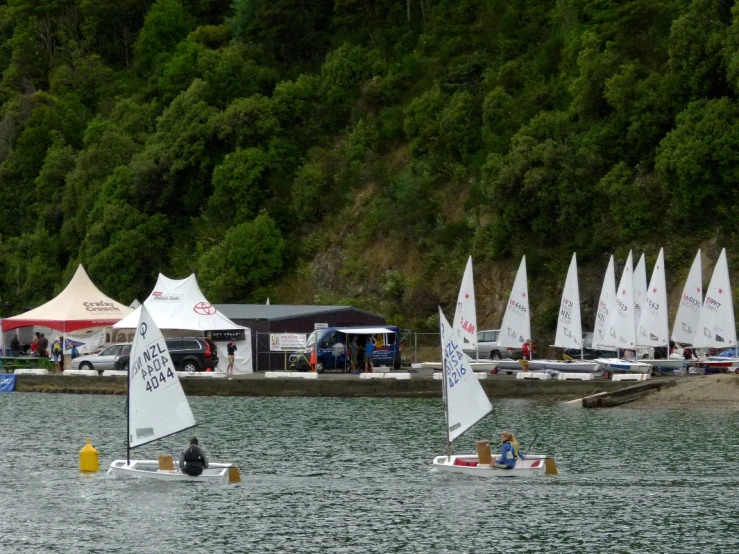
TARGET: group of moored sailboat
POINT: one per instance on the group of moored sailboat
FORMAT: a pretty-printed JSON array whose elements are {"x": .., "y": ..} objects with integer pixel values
[{"x": 632, "y": 318}]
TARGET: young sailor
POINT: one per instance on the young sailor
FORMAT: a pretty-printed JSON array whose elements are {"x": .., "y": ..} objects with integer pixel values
[
  {"x": 193, "y": 459},
  {"x": 509, "y": 453}
]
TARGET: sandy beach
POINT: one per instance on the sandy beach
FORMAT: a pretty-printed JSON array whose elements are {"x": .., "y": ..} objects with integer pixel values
[{"x": 699, "y": 391}]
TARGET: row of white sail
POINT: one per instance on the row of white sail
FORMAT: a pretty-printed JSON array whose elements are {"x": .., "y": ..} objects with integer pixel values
[{"x": 629, "y": 317}]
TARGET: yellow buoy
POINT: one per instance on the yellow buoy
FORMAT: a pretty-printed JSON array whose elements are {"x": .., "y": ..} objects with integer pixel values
[{"x": 89, "y": 458}]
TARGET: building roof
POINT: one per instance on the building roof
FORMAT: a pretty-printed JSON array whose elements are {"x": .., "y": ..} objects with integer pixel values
[{"x": 276, "y": 312}]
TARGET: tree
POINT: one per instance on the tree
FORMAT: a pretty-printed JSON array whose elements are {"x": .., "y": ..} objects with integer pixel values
[{"x": 248, "y": 259}]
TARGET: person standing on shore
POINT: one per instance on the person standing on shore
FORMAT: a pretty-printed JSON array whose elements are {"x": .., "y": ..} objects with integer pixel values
[
  {"x": 231, "y": 350},
  {"x": 43, "y": 346},
  {"x": 354, "y": 354},
  {"x": 56, "y": 354},
  {"x": 369, "y": 349}
]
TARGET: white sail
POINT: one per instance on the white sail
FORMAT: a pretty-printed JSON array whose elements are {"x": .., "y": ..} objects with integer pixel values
[
  {"x": 465, "y": 316},
  {"x": 157, "y": 405},
  {"x": 466, "y": 401},
  {"x": 605, "y": 307},
  {"x": 716, "y": 326},
  {"x": 640, "y": 287},
  {"x": 654, "y": 329},
  {"x": 569, "y": 325},
  {"x": 622, "y": 326},
  {"x": 516, "y": 326},
  {"x": 689, "y": 309}
]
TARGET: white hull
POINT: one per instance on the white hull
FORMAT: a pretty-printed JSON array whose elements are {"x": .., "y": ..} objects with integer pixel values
[
  {"x": 149, "y": 469},
  {"x": 562, "y": 365},
  {"x": 467, "y": 464},
  {"x": 628, "y": 366},
  {"x": 481, "y": 365},
  {"x": 666, "y": 364}
]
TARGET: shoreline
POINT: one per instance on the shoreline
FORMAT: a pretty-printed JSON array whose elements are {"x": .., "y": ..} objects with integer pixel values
[{"x": 336, "y": 385}]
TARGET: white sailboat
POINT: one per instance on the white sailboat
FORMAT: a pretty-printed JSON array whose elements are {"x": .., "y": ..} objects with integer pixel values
[
  {"x": 640, "y": 287},
  {"x": 654, "y": 329},
  {"x": 605, "y": 307},
  {"x": 717, "y": 326},
  {"x": 158, "y": 408},
  {"x": 691, "y": 302},
  {"x": 465, "y": 404},
  {"x": 569, "y": 328},
  {"x": 465, "y": 321},
  {"x": 621, "y": 330},
  {"x": 516, "y": 326}
]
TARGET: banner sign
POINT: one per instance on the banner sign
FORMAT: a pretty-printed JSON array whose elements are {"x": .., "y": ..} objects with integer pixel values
[
  {"x": 7, "y": 383},
  {"x": 320, "y": 326},
  {"x": 286, "y": 342},
  {"x": 228, "y": 335},
  {"x": 86, "y": 343}
]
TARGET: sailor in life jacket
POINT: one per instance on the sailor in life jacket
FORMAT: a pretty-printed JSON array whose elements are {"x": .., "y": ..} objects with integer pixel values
[
  {"x": 193, "y": 459},
  {"x": 509, "y": 453}
]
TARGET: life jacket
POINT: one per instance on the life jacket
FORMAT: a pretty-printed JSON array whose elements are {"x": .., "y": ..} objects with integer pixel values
[
  {"x": 513, "y": 453},
  {"x": 194, "y": 461},
  {"x": 57, "y": 348}
]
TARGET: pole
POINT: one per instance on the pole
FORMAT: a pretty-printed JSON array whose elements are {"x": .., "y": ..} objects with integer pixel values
[{"x": 531, "y": 444}]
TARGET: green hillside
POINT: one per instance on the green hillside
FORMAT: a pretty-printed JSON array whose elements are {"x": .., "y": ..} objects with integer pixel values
[{"x": 357, "y": 151}]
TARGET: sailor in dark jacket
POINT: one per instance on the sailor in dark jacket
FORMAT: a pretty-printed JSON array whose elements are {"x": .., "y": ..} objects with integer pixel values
[{"x": 193, "y": 459}]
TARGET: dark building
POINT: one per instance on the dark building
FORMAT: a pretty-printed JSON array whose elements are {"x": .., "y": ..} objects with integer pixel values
[{"x": 264, "y": 319}]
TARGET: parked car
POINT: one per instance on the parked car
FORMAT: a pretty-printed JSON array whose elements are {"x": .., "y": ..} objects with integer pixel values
[
  {"x": 188, "y": 354},
  {"x": 104, "y": 359},
  {"x": 332, "y": 352},
  {"x": 488, "y": 347}
]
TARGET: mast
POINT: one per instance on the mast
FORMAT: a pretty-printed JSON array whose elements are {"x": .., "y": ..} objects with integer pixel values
[{"x": 446, "y": 402}]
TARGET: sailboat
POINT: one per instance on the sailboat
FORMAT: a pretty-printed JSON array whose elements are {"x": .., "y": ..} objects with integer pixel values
[
  {"x": 465, "y": 321},
  {"x": 466, "y": 404},
  {"x": 605, "y": 307},
  {"x": 716, "y": 326},
  {"x": 516, "y": 326},
  {"x": 640, "y": 287},
  {"x": 158, "y": 408},
  {"x": 654, "y": 328},
  {"x": 569, "y": 328},
  {"x": 621, "y": 330},
  {"x": 691, "y": 302}
]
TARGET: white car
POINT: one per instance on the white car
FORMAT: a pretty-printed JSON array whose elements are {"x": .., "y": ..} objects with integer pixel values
[{"x": 102, "y": 360}]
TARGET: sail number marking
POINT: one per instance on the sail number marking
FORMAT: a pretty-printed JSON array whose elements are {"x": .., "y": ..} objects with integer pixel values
[
  {"x": 452, "y": 361},
  {"x": 154, "y": 366}
]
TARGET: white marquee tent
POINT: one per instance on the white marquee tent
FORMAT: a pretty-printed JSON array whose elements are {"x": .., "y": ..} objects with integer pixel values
[{"x": 179, "y": 305}]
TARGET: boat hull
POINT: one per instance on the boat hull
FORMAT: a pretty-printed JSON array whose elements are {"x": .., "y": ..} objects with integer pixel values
[
  {"x": 616, "y": 365},
  {"x": 666, "y": 364},
  {"x": 562, "y": 365},
  {"x": 468, "y": 465},
  {"x": 476, "y": 365},
  {"x": 149, "y": 469}
]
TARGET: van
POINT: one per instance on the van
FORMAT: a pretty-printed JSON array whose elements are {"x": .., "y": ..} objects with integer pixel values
[{"x": 332, "y": 350}]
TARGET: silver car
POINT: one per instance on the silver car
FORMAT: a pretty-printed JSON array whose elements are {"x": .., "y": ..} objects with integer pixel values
[
  {"x": 102, "y": 360},
  {"x": 488, "y": 347}
]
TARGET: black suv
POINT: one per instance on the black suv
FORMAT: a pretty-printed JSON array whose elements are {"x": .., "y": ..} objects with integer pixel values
[{"x": 188, "y": 354}]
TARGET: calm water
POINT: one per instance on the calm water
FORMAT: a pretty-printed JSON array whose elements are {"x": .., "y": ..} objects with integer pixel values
[{"x": 353, "y": 475}]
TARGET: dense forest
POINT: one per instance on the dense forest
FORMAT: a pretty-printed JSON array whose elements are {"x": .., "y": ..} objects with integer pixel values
[{"x": 357, "y": 151}]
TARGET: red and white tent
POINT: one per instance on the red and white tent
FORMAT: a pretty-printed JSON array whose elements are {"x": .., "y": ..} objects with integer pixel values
[{"x": 79, "y": 306}]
